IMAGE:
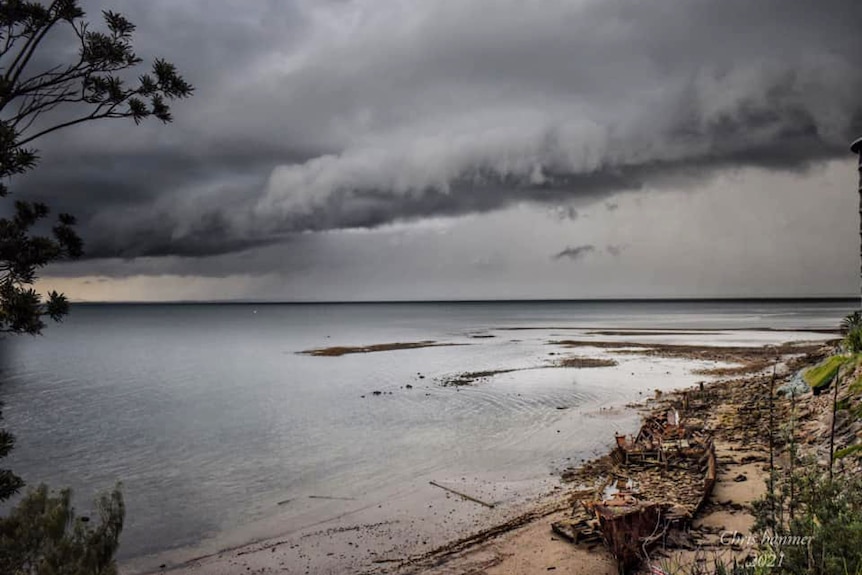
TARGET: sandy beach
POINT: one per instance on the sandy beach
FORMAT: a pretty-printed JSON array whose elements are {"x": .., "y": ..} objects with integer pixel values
[{"x": 483, "y": 525}]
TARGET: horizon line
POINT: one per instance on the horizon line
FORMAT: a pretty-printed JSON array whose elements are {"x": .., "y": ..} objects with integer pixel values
[{"x": 474, "y": 301}]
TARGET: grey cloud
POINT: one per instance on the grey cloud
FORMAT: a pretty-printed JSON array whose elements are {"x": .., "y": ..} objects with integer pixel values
[
  {"x": 317, "y": 116},
  {"x": 615, "y": 250},
  {"x": 575, "y": 253},
  {"x": 565, "y": 213},
  {"x": 579, "y": 252}
]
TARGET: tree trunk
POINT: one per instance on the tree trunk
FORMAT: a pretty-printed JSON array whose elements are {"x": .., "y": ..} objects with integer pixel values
[{"x": 857, "y": 149}]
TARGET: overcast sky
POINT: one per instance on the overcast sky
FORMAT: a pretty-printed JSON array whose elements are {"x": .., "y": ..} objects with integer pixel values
[{"x": 424, "y": 149}]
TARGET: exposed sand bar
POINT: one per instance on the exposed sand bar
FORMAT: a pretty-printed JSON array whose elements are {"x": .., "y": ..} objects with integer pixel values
[
  {"x": 744, "y": 359},
  {"x": 337, "y": 351},
  {"x": 586, "y": 362}
]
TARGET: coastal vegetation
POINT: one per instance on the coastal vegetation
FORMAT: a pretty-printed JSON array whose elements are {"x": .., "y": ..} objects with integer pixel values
[
  {"x": 40, "y": 94},
  {"x": 43, "y": 535}
]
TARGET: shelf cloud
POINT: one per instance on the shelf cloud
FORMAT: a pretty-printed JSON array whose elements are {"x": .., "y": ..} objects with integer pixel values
[{"x": 316, "y": 116}]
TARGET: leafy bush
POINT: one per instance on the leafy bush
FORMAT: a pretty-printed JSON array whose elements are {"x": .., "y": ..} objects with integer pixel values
[
  {"x": 43, "y": 536},
  {"x": 829, "y": 511}
]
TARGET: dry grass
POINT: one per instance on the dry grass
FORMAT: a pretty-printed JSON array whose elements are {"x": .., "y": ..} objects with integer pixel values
[{"x": 344, "y": 350}]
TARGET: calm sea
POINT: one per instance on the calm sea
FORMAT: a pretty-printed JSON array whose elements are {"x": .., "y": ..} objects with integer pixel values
[{"x": 210, "y": 417}]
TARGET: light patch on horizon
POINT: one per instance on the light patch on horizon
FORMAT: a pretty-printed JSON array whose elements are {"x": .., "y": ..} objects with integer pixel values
[{"x": 151, "y": 288}]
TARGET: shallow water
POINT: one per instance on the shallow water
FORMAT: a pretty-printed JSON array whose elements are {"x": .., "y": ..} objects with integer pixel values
[{"x": 210, "y": 417}]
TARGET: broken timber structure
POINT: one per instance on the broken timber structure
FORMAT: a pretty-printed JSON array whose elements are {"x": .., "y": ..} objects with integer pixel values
[{"x": 658, "y": 481}]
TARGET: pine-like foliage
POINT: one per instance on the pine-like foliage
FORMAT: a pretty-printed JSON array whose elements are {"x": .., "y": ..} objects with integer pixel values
[
  {"x": 10, "y": 483},
  {"x": 37, "y": 101}
]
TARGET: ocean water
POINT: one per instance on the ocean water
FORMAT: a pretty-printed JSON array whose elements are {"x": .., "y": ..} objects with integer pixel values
[{"x": 221, "y": 432}]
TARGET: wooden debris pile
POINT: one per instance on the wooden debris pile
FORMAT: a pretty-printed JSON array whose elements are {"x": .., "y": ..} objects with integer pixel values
[{"x": 654, "y": 483}]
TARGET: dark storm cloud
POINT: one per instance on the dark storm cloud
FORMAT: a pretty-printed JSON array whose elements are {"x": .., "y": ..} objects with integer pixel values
[
  {"x": 312, "y": 116},
  {"x": 148, "y": 199},
  {"x": 575, "y": 253}
]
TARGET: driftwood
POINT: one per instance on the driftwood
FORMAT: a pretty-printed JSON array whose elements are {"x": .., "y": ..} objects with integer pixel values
[
  {"x": 583, "y": 530},
  {"x": 629, "y": 527},
  {"x": 464, "y": 495}
]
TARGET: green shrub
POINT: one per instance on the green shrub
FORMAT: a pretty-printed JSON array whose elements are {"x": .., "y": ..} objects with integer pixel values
[
  {"x": 43, "y": 536},
  {"x": 821, "y": 374},
  {"x": 829, "y": 511},
  {"x": 853, "y": 340}
]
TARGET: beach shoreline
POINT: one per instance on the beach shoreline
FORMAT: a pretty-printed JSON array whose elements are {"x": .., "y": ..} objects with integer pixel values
[
  {"x": 528, "y": 545},
  {"x": 521, "y": 533}
]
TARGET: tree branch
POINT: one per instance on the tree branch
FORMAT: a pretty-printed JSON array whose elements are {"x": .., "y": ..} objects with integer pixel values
[
  {"x": 31, "y": 45},
  {"x": 97, "y": 115}
]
